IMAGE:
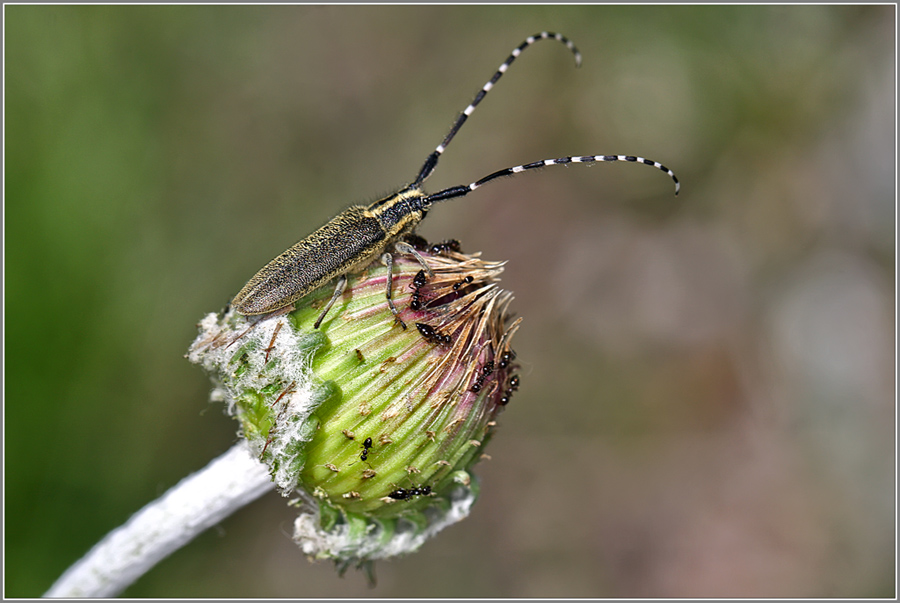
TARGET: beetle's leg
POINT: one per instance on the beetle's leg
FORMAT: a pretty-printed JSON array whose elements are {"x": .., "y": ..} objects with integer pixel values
[
  {"x": 341, "y": 285},
  {"x": 388, "y": 260},
  {"x": 402, "y": 247}
]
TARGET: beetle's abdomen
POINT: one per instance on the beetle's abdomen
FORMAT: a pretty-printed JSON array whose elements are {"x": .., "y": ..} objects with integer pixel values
[{"x": 349, "y": 240}]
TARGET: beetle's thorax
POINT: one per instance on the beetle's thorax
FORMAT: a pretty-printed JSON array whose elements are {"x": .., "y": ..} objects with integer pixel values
[{"x": 401, "y": 212}]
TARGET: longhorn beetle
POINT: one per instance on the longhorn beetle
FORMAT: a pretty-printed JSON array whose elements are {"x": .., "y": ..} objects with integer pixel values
[{"x": 359, "y": 235}]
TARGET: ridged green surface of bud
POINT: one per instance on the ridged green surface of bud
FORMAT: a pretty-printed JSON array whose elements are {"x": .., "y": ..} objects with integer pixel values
[{"x": 374, "y": 427}]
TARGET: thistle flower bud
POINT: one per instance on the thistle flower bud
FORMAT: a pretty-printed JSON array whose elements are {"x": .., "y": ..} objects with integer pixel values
[{"x": 373, "y": 426}]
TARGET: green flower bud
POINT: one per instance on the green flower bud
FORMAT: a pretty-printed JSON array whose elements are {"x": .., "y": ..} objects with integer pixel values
[{"x": 374, "y": 427}]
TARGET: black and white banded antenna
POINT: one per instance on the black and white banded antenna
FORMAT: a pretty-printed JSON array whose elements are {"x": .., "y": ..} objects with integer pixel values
[
  {"x": 432, "y": 160},
  {"x": 462, "y": 190}
]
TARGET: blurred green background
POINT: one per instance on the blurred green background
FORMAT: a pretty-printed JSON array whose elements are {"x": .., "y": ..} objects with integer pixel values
[{"x": 707, "y": 400}]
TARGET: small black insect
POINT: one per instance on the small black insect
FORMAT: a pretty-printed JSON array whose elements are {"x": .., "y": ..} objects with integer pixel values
[
  {"x": 365, "y": 453},
  {"x": 448, "y": 245},
  {"x": 432, "y": 335},
  {"x": 409, "y": 493},
  {"x": 486, "y": 371},
  {"x": 505, "y": 358},
  {"x": 362, "y": 234},
  {"x": 464, "y": 281},
  {"x": 420, "y": 279},
  {"x": 513, "y": 386}
]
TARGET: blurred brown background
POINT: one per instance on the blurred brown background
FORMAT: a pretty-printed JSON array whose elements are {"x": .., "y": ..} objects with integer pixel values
[{"x": 707, "y": 404}]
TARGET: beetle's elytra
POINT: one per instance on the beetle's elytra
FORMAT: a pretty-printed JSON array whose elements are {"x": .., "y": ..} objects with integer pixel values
[{"x": 362, "y": 234}]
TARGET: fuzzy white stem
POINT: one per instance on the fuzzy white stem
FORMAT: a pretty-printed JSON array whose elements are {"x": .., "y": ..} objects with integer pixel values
[{"x": 197, "y": 502}]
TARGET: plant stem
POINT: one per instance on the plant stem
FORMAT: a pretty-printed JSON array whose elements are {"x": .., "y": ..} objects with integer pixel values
[{"x": 197, "y": 502}]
